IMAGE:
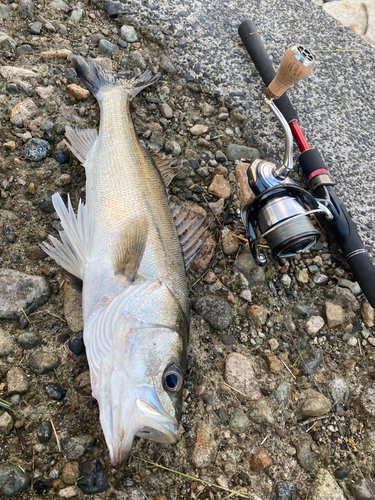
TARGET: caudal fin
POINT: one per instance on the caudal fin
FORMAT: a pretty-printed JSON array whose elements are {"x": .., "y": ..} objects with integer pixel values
[{"x": 95, "y": 78}]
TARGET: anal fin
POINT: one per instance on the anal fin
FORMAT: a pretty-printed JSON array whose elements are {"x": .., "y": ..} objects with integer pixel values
[
  {"x": 80, "y": 142},
  {"x": 130, "y": 248},
  {"x": 166, "y": 168}
]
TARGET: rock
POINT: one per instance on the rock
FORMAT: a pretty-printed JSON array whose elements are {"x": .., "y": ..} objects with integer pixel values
[
  {"x": 76, "y": 15},
  {"x": 78, "y": 92},
  {"x": 59, "y": 5},
  {"x": 253, "y": 273},
  {"x": 11, "y": 72},
  {"x": 367, "y": 314},
  {"x": 70, "y": 491},
  {"x": 237, "y": 152},
  {"x": 343, "y": 472},
  {"x": 26, "y": 9},
  {"x": 335, "y": 314},
  {"x": 55, "y": 391},
  {"x": 205, "y": 447},
  {"x": 129, "y": 34},
  {"x": 4, "y": 11},
  {"x": 239, "y": 373},
  {"x": 273, "y": 343},
  {"x": 19, "y": 291},
  {"x": 7, "y": 43},
  {"x": 107, "y": 48},
  {"x": 230, "y": 243},
  {"x": 76, "y": 344},
  {"x": 45, "y": 432},
  {"x": 257, "y": 315},
  {"x": 17, "y": 380},
  {"x": 315, "y": 404},
  {"x": 166, "y": 65},
  {"x": 9, "y": 234},
  {"x": 246, "y": 295},
  {"x": 198, "y": 129},
  {"x": 92, "y": 478},
  {"x": 339, "y": 390},
  {"x": 220, "y": 157},
  {"x": 285, "y": 491},
  {"x": 82, "y": 383},
  {"x": 274, "y": 365},
  {"x": 239, "y": 422},
  {"x": 302, "y": 275},
  {"x": 363, "y": 489},
  {"x": 281, "y": 395},
  {"x": 12, "y": 479},
  {"x": 42, "y": 486},
  {"x": 166, "y": 110},
  {"x": 45, "y": 92},
  {"x": 260, "y": 461},
  {"x": 43, "y": 362},
  {"x": 77, "y": 446},
  {"x": 244, "y": 190},
  {"x": 29, "y": 340},
  {"x": 302, "y": 310},
  {"x": 304, "y": 455},
  {"x": 215, "y": 310},
  {"x": 61, "y": 157},
  {"x": 70, "y": 473},
  {"x": 350, "y": 285},
  {"x": 223, "y": 116},
  {"x": 314, "y": 324},
  {"x": 368, "y": 398},
  {"x": 325, "y": 487},
  {"x": 23, "y": 112},
  {"x": 6, "y": 343},
  {"x": 220, "y": 187},
  {"x": 309, "y": 365},
  {"x": 261, "y": 413},
  {"x": 36, "y": 149},
  {"x": 172, "y": 147},
  {"x": 56, "y": 54},
  {"x": 6, "y": 425},
  {"x": 208, "y": 109},
  {"x": 36, "y": 28},
  {"x": 73, "y": 308}
]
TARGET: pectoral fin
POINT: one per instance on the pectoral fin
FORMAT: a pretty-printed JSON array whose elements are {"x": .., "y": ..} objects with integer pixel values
[
  {"x": 80, "y": 142},
  {"x": 130, "y": 248}
]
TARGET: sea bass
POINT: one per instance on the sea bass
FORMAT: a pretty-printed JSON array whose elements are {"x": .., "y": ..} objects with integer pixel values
[{"x": 129, "y": 246}]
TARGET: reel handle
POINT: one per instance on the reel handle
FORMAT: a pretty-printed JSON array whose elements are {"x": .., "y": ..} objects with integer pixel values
[{"x": 296, "y": 64}]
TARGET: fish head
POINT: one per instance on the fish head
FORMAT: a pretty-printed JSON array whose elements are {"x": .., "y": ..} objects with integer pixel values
[{"x": 140, "y": 386}]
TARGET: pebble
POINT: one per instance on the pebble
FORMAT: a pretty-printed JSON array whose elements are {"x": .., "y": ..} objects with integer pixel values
[
  {"x": 76, "y": 15},
  {"x": 17, "y": 380},
  {"x": 254, "y": 274},
  {"x": 274, "y": 365},
  {"x": 77, "y": 446},
  {"x": 334, "y": 314},
  {"x": 78, "y": 92},
  {"x": 45, "y": 431},
  {"x": 261, "y": 413},
  {"x": 257, "y": 315},
  {"x": 243, "y": 188},
  {"x": 36, "y": 28},
  {"x": 339, "y": 390},
  {"x": 29, "y": 340},
  {"x": 239, "y": 422},
  {"x": 352, "y": 341},
  {"x": 92, "y": 478},
  {"x": 12, "y": 479},
  {"x": 61, "y": 157},
  {"x": 304, "y": 455},
  {"x": 42, "y": 362},
  {"x": 239, "y": 373},
  {"x": 20, "y": 291},
  {"x": 63, "y": 180},
  {"x": 70, "y": 473},
  {"x": 26, "y": 9},
  {"x": 246, "y": 295},
  {"x": 302, "y": 275},
  {"x": 59, "y": 5},
  {"x": 286, "y": 280},
  {"x": 9, "y": 233},
  {"x": 56, "y": 54},
  {"x": 129, "y": 34},
  {"x": 166, "y": 110},
  {"x": 4, "y": 11},
  {"x": 6, "y": 424},
  {"x": 325, "y": 487},
  {"x": 69, "y": 492},
  {"x": 215, "y": 310},
  {"x": 281, "y": 395},
  {"x": 352, "y": 286},
  {"x": 41, "y": 486},
  {"x": 315, "y": 404},
  {"x": 363, "y": 489},
  {"x": 198, "y": 129},
  {"x": 309, "y": 365},
  {"x": 343, "y": 472},
  {"x": 230, "y": 243},
  {"x": 173, "y": 147},
  {"x": 368, "y": 398},
  {"x": 367, "y": 314},
  {"x": 302, "y": 310},
  {"x": 23, "y": 112},
  {"x": 285, "y": 490},
  {"x": 107, "y": 48},
  {"x": 6, "y": 343},
  {"x": 36, "y": 149},
  {"x": 260, "y": 460},
  {"x": 166, "y": 65},
  {"x": 237, "y": 152},
  {"x": 220, "y": 187},
  {"x": 45, "y": 92},
  {"x": 273, "y": 343},
  {"x": 314, "y": 324},
  {"x": 55, "y": 391},
  {"x": 73, "y": 308},
  {"x": 11, "y": 72},
  {"x": 76, "y": 344}
]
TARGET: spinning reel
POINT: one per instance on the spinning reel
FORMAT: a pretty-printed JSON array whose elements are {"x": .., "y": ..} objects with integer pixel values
[{"x": 279, "y": 210}]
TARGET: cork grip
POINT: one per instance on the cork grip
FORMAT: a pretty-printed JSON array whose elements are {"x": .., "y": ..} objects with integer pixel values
[{"x": 296, "y": 64}]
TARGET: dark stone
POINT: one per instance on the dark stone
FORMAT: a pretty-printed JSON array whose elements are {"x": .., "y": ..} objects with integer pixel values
[
  {"x": 29, "y": 340},
  {"x": 342, "y": 472},
  {"x": 9, "y": 234},
  {"x": 224, "y": 419},
  {"x": 122, "y": 43},
  {"x": 92, "y": 478},
  {"x": 286, "y": 491},
  {"x": 23, "y": 49},
  {"x": 228, "y": 339},
  {"x": 107, "y": 48},
  {"x": 71, "y": 77},
  {"x": 215, "y": 310},
  {"x": 12, "y": 479},
  {"x": 12, "y": 88},
  {"x": 42, "y": 362},
  {"x": 309, "y": 365},
  {"x": 45, "y": 432},
  {"x": 194, "y": 164},
  {"x": 55, "y": 391},
  {"x": 76, "y": 344},
  {"x": 36, "y": 28},
  {"x": 36, "y": 149},
  {"x": 304, "y": 455},
  {"x": 61, "y": 157},
  {"x": 302, "y": 310},
  {"x": 47, "y": 206},
  {"x": 35, "y": 253},
  {"x": 47, "y": 126},
  {"x": 41, "y": 486}
]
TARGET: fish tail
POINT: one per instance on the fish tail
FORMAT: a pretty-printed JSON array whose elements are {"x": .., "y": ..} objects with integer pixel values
[{"x": 95, "y": 78}]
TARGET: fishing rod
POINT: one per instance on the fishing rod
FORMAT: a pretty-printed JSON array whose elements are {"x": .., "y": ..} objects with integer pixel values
[{"x": 278, "y": 209}]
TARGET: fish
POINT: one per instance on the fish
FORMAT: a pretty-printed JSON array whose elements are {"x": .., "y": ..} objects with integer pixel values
[{"x": 130, "y": 246}]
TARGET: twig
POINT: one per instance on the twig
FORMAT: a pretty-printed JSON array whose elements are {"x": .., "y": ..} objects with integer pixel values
[
  {"x": 234, "y": 493},
  {"x": 322, "y": 417},
  {"x": 309, "y": 429},
  {"x": 239, "y": 392},
  {"x": 265, "y": 439},
  {"x": 213, "y": 213},
  {"x": 57, "y": 438},
  {"x": 25, "y": 315},
  {"x": 367, "y": 17},
  {"x": 51, "y": 314},
  {"x": 245, "y": 240},
  {"x": 154, "y": 464},
  {"x": 200, "y": 277},
  {"x": 337, "y": 50},
  {"x": 6, "y": 404},
  {"x": 287, "y": 368}
]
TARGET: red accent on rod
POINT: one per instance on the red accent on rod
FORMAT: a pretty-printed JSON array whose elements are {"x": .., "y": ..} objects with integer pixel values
[
  {"x": 317, "y": 172},
  {"x": 298, "y": 136}
]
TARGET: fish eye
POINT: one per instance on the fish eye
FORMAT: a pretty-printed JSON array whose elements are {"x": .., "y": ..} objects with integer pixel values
[{"x": 173, "y": 378}]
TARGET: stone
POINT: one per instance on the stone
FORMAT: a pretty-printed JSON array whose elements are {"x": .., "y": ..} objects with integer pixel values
[
  {"x": 304, "y": 455},
  {"x": 315, "y": 404},
  {"x": 215, "y": 310},
  {"x": 76, "y": 344},
  {"x": 314, "y": 324},
  {"x": 36, "y": 28},
  {"x": 273, "y": 343},
  {"x": 78, "y": 92},
  {"x": 220, "y": 187},
  {"x": 23, "y": 112},
  {"x": 260, "y": 461},
  {"x": 45, "y": 431},
  {"x": 73, "y": 307},
  {"x": 334, "y": 314},
  {"x": 6, "y": 343},
  {"x": 36, "y": 149},
  {"x": 69, "y": 492},
  {"x": 223, "y": 116},
  {"x": 205, "y": 447},
  {"x": 257, "y": 315},
  {"x": 367, "y": 314},
  {"x": 21, "y": 292},
  {"x": 363, "y": 489},
  {"x": 244, "y": 190},
  {"x": 261, "y": 413},
  {"x": 6, "y": 424},
  {"x": 76, "y": 15},
  {"x": 17, "y": 380},
  {"x": 239, "y": 422},
  {"x": 42, "y": 362},
  {"x": 76, "y": 447},
  {"x": 4, "y": 11},
  {"x": 56, "y": 54},
  {"x": 309, "y": 365},
  {"x": 230, "y": 244},
  {"x": 7, "y": 43},
  {"x": 254, "y": 274},
  {"x": 302, "y": 310},
  {"x": 12, "y": 479},
  {"x": 55, "y": 391},
  {"x": 274, "y": 365},
  {"x": 172, "y": 147},
  {"x": 45, "y": 92},
  {"x": 82, "y": 383},
  {"x": 26, "y": 9},
  {"x": 285, "y": 490},
  {"x": 239, "y": 373},
  {"x": 350, "y": 285},
  {"x": 281, "y": 395},
  {"x": 325, "y": 487},
  {"x": 59, "y": 5},
  {"x": 166, "y": 110},
  {"x": 246, "y": 295},
  {"x": 107, "y": 48},
  {"x": 342, "y": 472},
  {"x": 128, "y": 34},
  {"x": 198, "y": 129},
  {"x": 166, "y": 65},
  {"x": 92, "y": 478},
  {"x": 42, "y": 486},
  {"x": 368, "y": 398},
  {"x": 29, "y": 340},
  {"x": 70, "y": 473},
  {"x": 208, "y": 109},
  {"x": 11, "y": 72},
  {"x": 238, "y": 152},
  {"x": 339, "y": 390},
  {"x": 302, "y": 275}
]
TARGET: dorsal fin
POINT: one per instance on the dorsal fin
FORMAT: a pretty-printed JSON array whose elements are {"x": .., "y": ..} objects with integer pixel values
[
  {"x": 80, "y": 142},
  {"x": 166, "y": 168},
  {"x": 130, "y": 248}
]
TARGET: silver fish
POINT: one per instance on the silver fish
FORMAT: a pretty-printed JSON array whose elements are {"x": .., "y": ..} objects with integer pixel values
[{"x": 124, "y": 246}]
